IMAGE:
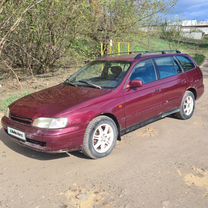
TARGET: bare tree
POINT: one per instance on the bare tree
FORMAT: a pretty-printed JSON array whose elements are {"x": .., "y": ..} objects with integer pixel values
[{"x": 16, "y": 22}]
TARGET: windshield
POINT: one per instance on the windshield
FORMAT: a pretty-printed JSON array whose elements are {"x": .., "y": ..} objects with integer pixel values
[{"x": 100, "y": 74}]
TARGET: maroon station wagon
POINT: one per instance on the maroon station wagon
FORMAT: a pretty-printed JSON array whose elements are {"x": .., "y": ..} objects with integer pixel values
[{"x": 104, "y": 100}]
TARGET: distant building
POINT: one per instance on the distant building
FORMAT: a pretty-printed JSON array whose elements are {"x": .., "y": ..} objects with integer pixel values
[
  {"x": 193, "y": 29},
  {"x": 189, "y": 22}
]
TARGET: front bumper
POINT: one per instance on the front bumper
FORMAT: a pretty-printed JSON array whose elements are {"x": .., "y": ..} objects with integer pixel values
[{"x": 62, "y": 140}]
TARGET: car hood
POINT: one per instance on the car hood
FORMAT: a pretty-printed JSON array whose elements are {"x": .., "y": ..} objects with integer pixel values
[{"x": 53, "y": 101}]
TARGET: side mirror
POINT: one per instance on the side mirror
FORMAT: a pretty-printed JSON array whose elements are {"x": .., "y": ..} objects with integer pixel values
[{"x": 135, "y": 84}]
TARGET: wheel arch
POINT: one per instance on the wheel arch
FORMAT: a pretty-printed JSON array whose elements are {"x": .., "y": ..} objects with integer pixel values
[
  {"x": 113, "y": 117},
  {"x": 193, "y": 90}
]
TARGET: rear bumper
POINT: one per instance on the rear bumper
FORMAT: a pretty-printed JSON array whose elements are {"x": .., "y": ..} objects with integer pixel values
[{"x": 43, "y": 140}]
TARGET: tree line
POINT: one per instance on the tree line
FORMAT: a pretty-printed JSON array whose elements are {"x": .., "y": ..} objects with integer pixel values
[{"x": 35, "y": 35}]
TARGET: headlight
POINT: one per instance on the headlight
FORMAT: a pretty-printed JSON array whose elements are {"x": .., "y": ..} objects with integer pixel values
[
  {"x": 50, "y": 123},
  {"x": 7, "y": 112}
]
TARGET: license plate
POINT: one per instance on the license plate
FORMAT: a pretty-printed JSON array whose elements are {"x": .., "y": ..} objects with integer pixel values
[{"x": 16, "y": 133}]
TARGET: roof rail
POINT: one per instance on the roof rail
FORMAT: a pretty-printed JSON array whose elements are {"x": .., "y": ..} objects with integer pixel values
[{"x": 139, "y": 55}]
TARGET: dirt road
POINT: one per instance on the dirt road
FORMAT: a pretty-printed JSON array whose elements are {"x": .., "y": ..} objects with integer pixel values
[{"x": 162, "y": 165}]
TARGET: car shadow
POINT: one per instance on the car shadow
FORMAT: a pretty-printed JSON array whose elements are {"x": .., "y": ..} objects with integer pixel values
[
  {"x": 5, "y": 139},
  {"x": 174, "y": 117}
]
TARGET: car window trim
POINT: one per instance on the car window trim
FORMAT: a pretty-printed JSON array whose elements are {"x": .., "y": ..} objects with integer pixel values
[
  {"x": 133, "y": 70},
  {"x": 189, "y": 60},
  {"x": 178, "y": 63},
  {"x": 159, "y": 70},
  {"x": 156, "y": 68}
]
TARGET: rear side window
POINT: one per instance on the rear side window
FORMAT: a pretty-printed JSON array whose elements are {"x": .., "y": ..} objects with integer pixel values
[
  {"x": 144, "y": 71},
  {"x": 186, "y": 63},
  {"x": 167, "y": 67}
]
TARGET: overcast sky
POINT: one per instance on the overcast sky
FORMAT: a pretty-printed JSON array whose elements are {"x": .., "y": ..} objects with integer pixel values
[{"x": 191, "y": 9}]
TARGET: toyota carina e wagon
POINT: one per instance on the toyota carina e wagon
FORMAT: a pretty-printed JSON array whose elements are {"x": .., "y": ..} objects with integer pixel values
[{"x": 104, "y": 100}]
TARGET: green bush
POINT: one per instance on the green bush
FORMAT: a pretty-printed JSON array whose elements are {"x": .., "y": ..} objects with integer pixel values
[
  {"x": 199, "y": 58},
  {"x": 5, "y": 103}
]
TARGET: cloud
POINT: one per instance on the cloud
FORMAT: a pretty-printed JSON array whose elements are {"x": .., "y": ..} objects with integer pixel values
[{"x": 190, "y": 9}]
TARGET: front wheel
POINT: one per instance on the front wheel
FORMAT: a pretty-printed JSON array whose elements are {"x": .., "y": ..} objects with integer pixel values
[
  {"x": 100, "y": 137},
  {"x": 187, "y": 106}
]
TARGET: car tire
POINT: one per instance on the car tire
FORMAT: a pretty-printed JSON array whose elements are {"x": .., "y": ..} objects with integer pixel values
[
  {"x": 187, "y": 106},
  {"x": 100, "y": 137}
]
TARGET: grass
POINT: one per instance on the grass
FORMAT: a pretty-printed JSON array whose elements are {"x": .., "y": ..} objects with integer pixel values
[
  {"x": 198, "y": 52},
  {"x": 199, "y": 58},
  {"x": 6, "y": 102},
  {"x": 197, "y": 49}
]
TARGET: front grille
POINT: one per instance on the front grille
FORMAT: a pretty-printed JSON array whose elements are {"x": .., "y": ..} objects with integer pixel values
[
  {"x": 42, "y": 144},
  {"x": 21, "y": 119}
]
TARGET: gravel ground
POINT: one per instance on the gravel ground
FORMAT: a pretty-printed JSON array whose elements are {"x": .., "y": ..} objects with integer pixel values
[{"x": 162, "y": 165}]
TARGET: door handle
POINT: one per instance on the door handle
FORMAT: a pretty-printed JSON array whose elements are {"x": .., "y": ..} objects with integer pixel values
[{"x": 157, "y": 90}]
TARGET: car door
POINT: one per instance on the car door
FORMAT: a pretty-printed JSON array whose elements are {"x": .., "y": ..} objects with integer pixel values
[
  {"x": 143, "y": 103},
  {"x": 172, "y": 82}
]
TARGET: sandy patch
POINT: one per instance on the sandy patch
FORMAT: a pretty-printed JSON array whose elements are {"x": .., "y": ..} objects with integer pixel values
[
  {"x": 200, "y": 122},
  {"x": 148, "y": 132},
  {"x": 82, "y": 197},
  {"x": 198, "y": 178}
]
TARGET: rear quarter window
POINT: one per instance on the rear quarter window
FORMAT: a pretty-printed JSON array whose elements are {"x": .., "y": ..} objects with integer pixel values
[{"x": 186, "y": 63}]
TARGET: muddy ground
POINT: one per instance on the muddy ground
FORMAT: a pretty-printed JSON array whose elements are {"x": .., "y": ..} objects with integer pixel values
[{"x": 162, "y": 165}]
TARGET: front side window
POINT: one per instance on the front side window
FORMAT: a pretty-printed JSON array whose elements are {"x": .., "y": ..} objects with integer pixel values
[
  {"x": 145, "y": 72},
  {"x": 100, "y": 74},
  {"x": 167, "y": 67},
  {"x": 186, "y": 63}
]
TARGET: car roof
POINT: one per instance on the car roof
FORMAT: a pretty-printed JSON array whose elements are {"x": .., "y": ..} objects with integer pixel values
[{"x": 140, "y": 55}]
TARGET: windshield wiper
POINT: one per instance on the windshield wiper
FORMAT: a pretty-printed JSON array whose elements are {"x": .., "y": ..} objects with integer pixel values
[
  {"x": 90, "y": 84},
  {"x": 70, "y": 83}
]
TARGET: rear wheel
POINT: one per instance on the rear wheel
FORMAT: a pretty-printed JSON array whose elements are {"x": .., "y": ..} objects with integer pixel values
[
  {"x": 187, "y": 106},
  {"x": 100, "y": 137}
]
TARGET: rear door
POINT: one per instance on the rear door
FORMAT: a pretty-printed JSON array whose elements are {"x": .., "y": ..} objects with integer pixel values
[
  {"x": 172, "y": 82},
  {"x": 143, "y": 103}
]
